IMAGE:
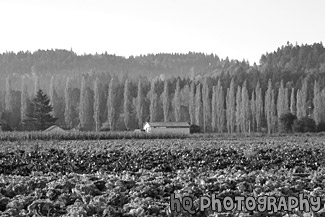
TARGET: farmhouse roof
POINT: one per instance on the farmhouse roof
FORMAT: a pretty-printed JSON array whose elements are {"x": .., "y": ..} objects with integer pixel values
[
  {"x": 168, "y": 124},
  {"x": 52, "y": 128}
]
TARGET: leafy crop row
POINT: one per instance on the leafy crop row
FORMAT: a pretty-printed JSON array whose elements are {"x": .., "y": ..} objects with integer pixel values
[{"x": 36, "y": 135}]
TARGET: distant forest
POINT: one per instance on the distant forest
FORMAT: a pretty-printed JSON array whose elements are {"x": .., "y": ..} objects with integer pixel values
[{"x": 89, "y": 92}]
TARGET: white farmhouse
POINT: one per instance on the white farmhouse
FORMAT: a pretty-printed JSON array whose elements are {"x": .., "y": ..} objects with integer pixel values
[{"x": 167, "y": 127}]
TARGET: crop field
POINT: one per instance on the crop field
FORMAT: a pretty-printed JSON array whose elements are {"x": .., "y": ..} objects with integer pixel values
[{"x": 138, "y": 177}]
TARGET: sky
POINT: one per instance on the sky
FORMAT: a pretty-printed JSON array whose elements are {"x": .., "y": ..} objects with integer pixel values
[{"x": 238, "y": 29}]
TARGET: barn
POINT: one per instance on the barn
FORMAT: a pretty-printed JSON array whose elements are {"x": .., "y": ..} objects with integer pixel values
[
  {"x": 54, "y": 129},
  {"x": 167, "y": 127}
]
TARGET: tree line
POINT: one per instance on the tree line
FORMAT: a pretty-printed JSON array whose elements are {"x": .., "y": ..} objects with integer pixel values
[{"x": 206, "y": 102}]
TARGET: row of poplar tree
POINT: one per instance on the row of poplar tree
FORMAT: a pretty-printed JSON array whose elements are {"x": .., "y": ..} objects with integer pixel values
[{"x": 214, "y": 108}]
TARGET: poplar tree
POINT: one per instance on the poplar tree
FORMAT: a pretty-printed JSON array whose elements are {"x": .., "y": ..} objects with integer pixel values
[
  {"x": 245, "y": 109},
  {"x": 52, "y": 95},
  {"x": 198, "y": 106},
  {"x": 166, "y": 101},
  {"x": 127, "y": 105},
  {"x": 192, "y": 103},
  {"x": 317, "y": 103},
  {"x": 153, "y": 102},
  {"x": 82, "y": 105},
  {"x": 258, "y": 106},
  {"x": 273, "y": 112},
  {"x": 8, "y": 96},
  {"x": 286, "y": 100},
  {"x": 140, "y": 102},
  {"x": 97, "y": 104},
  {"x": 220, "y": 108},
  {"x": 293, "y": 102},
  {"x": 9, "y": 102},
  {"x": 300, "y": 105},
  {"x": 206, "y": 105},
  {"x": 253, "y": 110},
  {"x": 304, "y": 90},
  {"x": 23, "y": 99},
  {"x": 280, "y": 101},
  {"x": 177, "y": 102},
  {"x": 268, "y": 107},
  {"x": 68, "y": 104},
  {"x": 231, "y": 107},
  {"x": 214, "y": 109},
  {"x": 36, "y": 84},
  {"x": 111, "y": 101},
  {"x": 238, "y": 110},
  {"x": 228, "y": 110},
  {"x": 322, "y": 99}
]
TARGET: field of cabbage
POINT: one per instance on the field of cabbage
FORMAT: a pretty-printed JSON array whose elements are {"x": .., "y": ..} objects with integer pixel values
[{"x": 137, "y": 177}]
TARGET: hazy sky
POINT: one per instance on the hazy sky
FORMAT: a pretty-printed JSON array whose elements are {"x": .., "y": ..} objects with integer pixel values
[{"x": 239, "y": 29}]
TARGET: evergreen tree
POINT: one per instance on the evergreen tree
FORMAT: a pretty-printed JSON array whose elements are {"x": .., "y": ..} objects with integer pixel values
[
  {"x": 38, "y": 116},
  {"x": 68, "y": 104},
  {"x": 177, "y": 102},
  {"x": 140, "y": 102},
  {"x": 293, "y": 102},
  {"x": 166, "y": 101},
  {"x": 192, "y": 103},
  {"x": 97, "y": 104},
  {"x": 127, "y": 105}
]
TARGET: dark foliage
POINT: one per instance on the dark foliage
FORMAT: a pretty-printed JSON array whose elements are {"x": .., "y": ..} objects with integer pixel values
[
  {"x": 286, "y": 122},
  {"x": 38, "y": 115},
  {"x": 195, "y": 129},
  {"x": 321, "y": 127},
  {"x": 304, "y": 125}
]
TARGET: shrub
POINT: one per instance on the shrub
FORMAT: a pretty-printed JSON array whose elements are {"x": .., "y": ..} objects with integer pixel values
[
  {"x": 286, "y": 121},
  {"x": 321, "y": 127},
  {"x": 304, "y": 124},
  {"x": 195, "y": 129}
]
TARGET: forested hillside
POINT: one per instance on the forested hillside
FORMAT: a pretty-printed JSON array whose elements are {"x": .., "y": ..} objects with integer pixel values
[{"x": 222, "y": 95}]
